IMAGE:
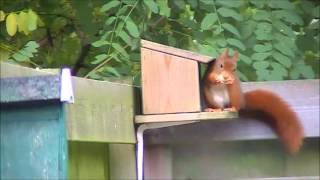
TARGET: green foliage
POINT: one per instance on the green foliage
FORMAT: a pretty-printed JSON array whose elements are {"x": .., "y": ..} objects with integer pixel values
[
  {"x": 277, "y": 39},
  {"x": 23, "y": 55}
]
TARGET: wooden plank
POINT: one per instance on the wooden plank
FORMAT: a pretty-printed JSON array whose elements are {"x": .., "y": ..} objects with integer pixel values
[
  {"x": 169, "y": 84},
  {"x": 12, "y": 70},
  {"x": 33, "y": 141},
  {"x": 122, "y": 163},
  {"x": 175, "y": 51},
  {"x": 306, "y": 162},
  {"x": 21, "y": 89},
  {"x": 239, "y": 160},
  {"x": 158, "y": 162},
  {"x": 185, "y": 117},
  {"x": 231, "y": 160},
  {"x": 306, "y": 106},
  {"x": 88, "y": 160},
  {"x": 102, "y": 112}
]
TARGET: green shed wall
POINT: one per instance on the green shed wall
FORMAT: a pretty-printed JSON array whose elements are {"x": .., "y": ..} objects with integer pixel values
[{"x": 33, "y": 141}]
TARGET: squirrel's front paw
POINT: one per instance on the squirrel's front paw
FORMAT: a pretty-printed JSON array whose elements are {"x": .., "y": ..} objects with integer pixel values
[
  {"x": 232, "y": 109},
  {"x": 212, "y": 110}
]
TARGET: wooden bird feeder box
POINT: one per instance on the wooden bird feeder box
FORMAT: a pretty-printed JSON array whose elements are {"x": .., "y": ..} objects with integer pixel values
[{"x": 170, "y": 79}]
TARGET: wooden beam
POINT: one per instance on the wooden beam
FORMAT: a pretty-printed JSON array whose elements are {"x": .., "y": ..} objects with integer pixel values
[
  {"x": 36, "y": 88},
  {"x": 302, "y": 95},
  {"x": 176, "y": 52},
  {"x": 185, "y": 117}
]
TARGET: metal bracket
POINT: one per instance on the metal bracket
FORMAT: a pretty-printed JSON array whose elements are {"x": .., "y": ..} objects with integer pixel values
[
  {"x": 140, "y": 142},
  {"x": 66, "y": 91}
]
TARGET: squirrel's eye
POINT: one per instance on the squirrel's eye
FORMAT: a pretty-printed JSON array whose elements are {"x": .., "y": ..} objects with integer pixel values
[
  {"x": 234, "y": 70},
  {"x": 221, "y": 65}
]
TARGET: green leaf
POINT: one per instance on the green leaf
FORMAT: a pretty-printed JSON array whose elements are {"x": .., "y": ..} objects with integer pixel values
[
  {"x": 284, "y": 49},
  {"x": 280, "y": 4},
  {"x": 263, "y": 35},
  {"x": 207, "y": 50},
  {"x": 180, "y": 4},
  {"x": 245, "y": 59},
  {"x": 231, "y": 29},
  {"x": 307, "y": 72},
  {"x": 192, "y": 3},
  {"x": 221, "y": 42},
  {"x": 110, "y": 20},
  {"x": 208, "y": 21},
  {"x": 112, "y": 70},
  {"x": 288, "y": 16},
  {"x": 32, "y": 20},
  {"x": 267, "y": 27},
  {"x": 125, "y": 37},
  {"x": 32, "y": 44},
  {"x": 262, "y": 15},
  {"x": 316, "y": 12},
  {"x": 100, "y": 43},
  {"x": 27, "y": 53},
  {"x": 263, "y": 31},
  {"x": 242, "y": 76},
  {"x": 226, "y": 12},
  {"x": 132, "y": 29},
  {"x": 22, "y": 20},
  {"x": 164, "y": 9},
  {"x": 110, "y": 5},
  {"x": 258, "y": 3},
  {"x": 247, "y": 28},
  {"x": 263, "y": 74},
  {"x": 260, "y": 56},
  {"x": 120, "y": 49},
  {"x": 233, "y": 4},
  {"x": 123, "y": 9},
  {"x": 262, "y": 48},
  {"x": 282, "y": 59},
  {"x": 260, "y": 65},
  {"x": 301, "y": 69},
  {"x": 115, "y": 57},
  {"x": 11, "y": 24},
  {"x": 20, "y": 57},
  {"x": 99, "y": 58},
  {"x": 2, "y": 16},
  {"x": 283, "y": 28},
  {"x": 279, "y": 69},
  {"x": 151, "y": 5},
  {"x": 236, "y": 43}
]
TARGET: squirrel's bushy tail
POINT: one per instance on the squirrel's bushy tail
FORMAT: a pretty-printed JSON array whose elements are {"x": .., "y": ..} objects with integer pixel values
[{"x": 284, "y": 120}]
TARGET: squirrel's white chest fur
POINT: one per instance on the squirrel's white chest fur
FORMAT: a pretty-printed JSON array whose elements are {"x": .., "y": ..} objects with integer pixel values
[{"x": 219, "y": 95}]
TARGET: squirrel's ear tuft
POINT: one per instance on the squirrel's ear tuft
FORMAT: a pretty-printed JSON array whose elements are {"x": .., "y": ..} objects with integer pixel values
[
  {"x": 235, "y": 56},
  {"x": 225, "y": 53}
]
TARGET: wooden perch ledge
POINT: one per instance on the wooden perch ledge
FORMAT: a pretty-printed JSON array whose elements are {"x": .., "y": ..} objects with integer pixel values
[{"x": 185, "y": 117}]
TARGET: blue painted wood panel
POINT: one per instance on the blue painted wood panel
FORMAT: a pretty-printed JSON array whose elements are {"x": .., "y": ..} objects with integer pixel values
[{"x": 33, "y": 141}]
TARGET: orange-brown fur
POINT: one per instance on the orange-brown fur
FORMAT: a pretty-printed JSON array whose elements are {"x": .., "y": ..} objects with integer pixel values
[{"x": 284, "y": 120}]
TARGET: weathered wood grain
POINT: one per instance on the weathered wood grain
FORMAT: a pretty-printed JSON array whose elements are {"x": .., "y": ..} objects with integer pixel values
[
  {"x": 12, "y": 70},
  {"x": 88, "y": 160},
  {"x": 33, "y": 141},
  {"x": 24, "y": 89},
  {"x": 102, "y": 112},
  {"x": 122, "y": 163},
  {"x": 169, "y": 84},
  {"x": 239, "y": 160},
  {"x": 176, "y": 52},
  {"x": 185, "y": 117},
  {"x": 302, "y": 95},
  {"x": 158, "y": 162}
]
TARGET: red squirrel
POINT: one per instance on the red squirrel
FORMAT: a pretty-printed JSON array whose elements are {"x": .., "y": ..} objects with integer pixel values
[{"x": 222, "y": 91}]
